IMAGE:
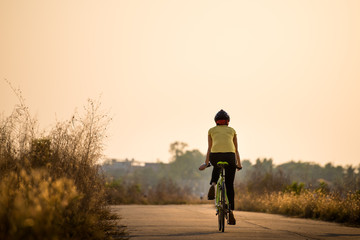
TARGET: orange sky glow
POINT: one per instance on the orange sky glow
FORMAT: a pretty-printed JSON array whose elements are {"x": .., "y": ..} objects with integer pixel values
[{"x": 287, "y": 72}]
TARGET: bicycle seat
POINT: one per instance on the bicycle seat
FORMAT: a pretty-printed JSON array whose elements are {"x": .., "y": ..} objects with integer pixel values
[{"x": 222, "y": 163}]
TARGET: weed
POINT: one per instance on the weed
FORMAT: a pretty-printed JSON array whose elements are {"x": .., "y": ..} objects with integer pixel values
[{"x": 50, "y": 182}]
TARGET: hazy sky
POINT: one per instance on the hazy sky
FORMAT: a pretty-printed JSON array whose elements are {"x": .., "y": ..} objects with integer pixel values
[{"x": 287, "y": 72}]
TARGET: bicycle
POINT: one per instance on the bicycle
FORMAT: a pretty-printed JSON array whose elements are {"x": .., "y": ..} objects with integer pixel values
[{"x": 221, "y": 200}]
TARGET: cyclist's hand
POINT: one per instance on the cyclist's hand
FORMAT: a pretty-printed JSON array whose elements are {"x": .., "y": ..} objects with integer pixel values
[
  {"x": 238, "y": 167},
  {"x": 202, "y": 166}
]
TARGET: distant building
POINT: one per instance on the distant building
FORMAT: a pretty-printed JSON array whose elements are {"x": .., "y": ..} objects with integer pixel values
[
  {"x": 153, "y": 166},
  {"x": 117, "y": 165},
  {"x": 125, "y": 166}
]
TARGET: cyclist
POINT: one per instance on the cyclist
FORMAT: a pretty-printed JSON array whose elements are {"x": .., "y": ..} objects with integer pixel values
[{"x": 222, "y": 146}]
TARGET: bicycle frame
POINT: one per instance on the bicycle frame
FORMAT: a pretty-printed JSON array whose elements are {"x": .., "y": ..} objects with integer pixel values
[{"x": 219, "y": 188}]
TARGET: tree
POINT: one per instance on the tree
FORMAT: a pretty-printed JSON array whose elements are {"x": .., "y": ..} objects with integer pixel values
[{"x": 177, "y": 149}]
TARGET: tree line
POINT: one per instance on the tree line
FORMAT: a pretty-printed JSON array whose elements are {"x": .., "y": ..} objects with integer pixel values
[{"x": 262, "y": 176}]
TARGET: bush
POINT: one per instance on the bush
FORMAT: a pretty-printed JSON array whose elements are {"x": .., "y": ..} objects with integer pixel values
[
  {"x": 50, "y": 183},
  {"x": 119, "y": 193},
  {"x": 33, "y": 206},
  {"x": 308, "y": 203},
  {"x": 166, "y": 191}
]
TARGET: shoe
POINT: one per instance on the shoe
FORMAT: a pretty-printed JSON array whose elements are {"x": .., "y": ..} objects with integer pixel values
[
  {"x": 231, "y": 220},
  {"x": 211, "y": 194}
]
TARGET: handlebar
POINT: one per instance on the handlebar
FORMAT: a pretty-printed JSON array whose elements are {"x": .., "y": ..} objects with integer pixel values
[{"x": 238, "y": 168}]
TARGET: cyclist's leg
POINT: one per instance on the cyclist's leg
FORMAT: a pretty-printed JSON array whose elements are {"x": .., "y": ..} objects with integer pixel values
[
  {"x": 229, "y": 179},
  {"x": 214, "y": 176},
  {"x": 214, "y": 159}
]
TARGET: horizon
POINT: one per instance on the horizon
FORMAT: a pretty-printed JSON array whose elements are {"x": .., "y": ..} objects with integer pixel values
[{"x": 252, "y": 161}]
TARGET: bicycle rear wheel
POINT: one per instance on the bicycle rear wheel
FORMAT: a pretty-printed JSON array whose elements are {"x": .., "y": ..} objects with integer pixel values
[
  {"x": 219, "y": 219},
  {"x": 223, "y": 206},
  {"x": 220, "y": 209}
]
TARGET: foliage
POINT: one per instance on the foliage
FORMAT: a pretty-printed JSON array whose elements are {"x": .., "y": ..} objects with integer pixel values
[
  {"x": 301, "y": 189},
  {"x": 156, "y": 184},
  {"x": 177, "y": 149},
  {"x": 50, "y": 183},
  {"x": 119, "y": 193},
  {"x": 264, "y": 176},
  {"x": 33, "y": 206},
  {"x": 308, "y": 204},
  {"x": 165, "y": 192},
  {"x": 168, "y": 192},
  {"x": 295, "y": 188}
]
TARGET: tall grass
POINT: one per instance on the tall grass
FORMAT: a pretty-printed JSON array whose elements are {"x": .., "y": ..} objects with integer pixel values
[
  {"x": 34, "y": 206},
  {"x": 50, "y": 183},
  {"x": 315, "y": 204}
]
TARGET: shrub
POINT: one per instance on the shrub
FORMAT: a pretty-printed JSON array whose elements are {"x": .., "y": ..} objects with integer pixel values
[
  {"x": 50, "y": 183},
  {"x": 309, "y": 204},
  {"x": 166, "y": 191},
  {"x": 35, "y": 206},
  {"x": 295, "y": 188}
]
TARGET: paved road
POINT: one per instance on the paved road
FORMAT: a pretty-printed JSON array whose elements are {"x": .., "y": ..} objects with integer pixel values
[{"x": 199, "y": 222}]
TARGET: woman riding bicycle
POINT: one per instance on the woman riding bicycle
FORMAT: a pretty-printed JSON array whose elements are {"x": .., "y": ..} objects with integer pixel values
[{"x": 222, "y": 146}]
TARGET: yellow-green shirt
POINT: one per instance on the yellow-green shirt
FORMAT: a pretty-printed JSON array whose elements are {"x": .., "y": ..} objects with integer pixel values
[{"x": 222, "y": 138}]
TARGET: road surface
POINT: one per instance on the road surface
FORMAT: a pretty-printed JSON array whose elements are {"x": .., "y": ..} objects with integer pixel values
[{"x": 148, "y": 222}]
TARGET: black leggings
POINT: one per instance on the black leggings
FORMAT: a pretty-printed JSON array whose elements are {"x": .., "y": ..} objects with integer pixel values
[{"x": 230, "y": 170}]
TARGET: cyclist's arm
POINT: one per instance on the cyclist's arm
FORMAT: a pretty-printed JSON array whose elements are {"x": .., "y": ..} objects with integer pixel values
[
  {"x": 207, "y": 160},
  {"x": 209, "y": 150},
  {"x": 238, "y": 163}
]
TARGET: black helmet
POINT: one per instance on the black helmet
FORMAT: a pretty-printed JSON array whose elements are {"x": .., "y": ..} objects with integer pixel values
[{"x": 222, "y": 115}]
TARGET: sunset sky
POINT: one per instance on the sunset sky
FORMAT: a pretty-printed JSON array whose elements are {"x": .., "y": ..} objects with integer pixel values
[{"x": 287, "y": 72}]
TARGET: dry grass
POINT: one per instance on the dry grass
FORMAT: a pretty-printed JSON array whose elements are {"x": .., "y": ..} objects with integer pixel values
[
  {"x": 35, "y": 206},
  {"x": 308, "y": 204},
  {"x": 50, "y": 183}
]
